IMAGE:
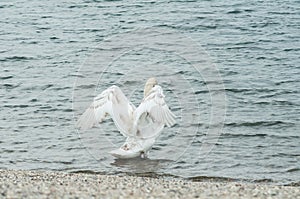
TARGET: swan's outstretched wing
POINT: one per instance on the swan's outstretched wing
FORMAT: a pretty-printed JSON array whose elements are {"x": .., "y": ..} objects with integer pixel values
[
  {"x": 153, "y": 114},
  {"x": 113, "y": 102}
]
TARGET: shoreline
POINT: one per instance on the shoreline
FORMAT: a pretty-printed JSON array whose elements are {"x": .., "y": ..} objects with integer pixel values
[{"x": 52, "y": 184}]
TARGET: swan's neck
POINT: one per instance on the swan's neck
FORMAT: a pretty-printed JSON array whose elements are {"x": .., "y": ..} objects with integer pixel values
[
  {"x": 147, "y": 90},
  {"x": 149, "y": 85}
]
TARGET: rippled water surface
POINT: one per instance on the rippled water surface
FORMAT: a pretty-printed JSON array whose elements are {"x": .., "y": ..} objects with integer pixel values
[{"x": 254, "y": 44}]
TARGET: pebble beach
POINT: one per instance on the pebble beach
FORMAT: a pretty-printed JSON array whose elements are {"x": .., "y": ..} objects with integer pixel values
[{"x": 49, "y": 184}]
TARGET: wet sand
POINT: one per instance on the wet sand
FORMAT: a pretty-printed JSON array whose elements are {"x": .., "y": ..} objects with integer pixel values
[{"x": 41, "y": 184}]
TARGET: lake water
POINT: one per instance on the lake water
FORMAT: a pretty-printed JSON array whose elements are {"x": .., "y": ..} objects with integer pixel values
[{"x": 56, "y": 56}]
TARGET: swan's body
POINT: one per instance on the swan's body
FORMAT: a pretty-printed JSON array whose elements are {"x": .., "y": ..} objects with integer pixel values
[{"x": 141, "y": 125}]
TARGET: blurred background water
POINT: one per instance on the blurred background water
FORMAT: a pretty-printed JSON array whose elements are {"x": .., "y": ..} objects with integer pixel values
[{"x": 254, "y": 44}]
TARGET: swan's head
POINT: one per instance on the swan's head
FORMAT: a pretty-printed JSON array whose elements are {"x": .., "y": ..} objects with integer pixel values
[{"x": 151, "y": 82}]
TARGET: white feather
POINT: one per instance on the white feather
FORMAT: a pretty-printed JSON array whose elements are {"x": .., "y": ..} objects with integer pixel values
[
  {"x": 140, "y": 125},
  {"x": 114, "y": 103}
]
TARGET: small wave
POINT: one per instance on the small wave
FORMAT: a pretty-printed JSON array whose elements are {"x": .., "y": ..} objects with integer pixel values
[
  {"x": 89, "y": 172},
  {"x": 130, "y": 82},
  {"x": 286, "y": 155},
  {"x": 16, "y": 106},
  {"x": 65, "y": 162},
  {"x": 249, "y": 90},
  {"x": 238, "y": 90},
  {"x": 276, "y": 102},
  {"x": 244, "y": 135},
  {"x": 67, "y": 110},
  {"x": 264, "y": 180},
  {"x": 7, "y": 151},
  {"x": 6, "y": 6},
  {"x": 37, "y": 87},
  {"x": 234, "y": 12},
  {"x": 61, "y": 88},
  {"x": 181, "y": 72},
  {"x": 33, "y": 100},
  {"x": 280, "y": 13},
  {"x": 291, "y": 49},
  {"x": 230, "y": 135},
  {"x": 76, "y": 75},
  {"x": 17, "y": 143},
  {"x": 6, "y": 77},
  {"x": 78, "y": 6},
  {"x": 201, "y": 92},
  {"x": 286, "y": 82},
  {"x": 17, "y": 58},
  {"x": 53, "y": 38},
  {"x": 9, "y": 86},
  {"x": 293, "y": 184},
  {"x": 214, "y": 179},
  {"x": 258, "y": 123},
  {"x": 293, "y": 169},
  {"x": 79, "y": 87}
]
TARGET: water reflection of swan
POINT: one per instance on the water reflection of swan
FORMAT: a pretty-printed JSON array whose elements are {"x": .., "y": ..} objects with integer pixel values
[
  {"x": 138, "y": 165},
  {"x": 141, "y": 125}
]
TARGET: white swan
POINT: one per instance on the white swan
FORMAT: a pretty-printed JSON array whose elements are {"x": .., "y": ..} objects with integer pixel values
[{"x": 141, "y": 125}]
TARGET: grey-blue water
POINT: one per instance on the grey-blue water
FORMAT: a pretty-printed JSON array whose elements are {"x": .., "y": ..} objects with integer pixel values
[{"x": 254, "y": 44}]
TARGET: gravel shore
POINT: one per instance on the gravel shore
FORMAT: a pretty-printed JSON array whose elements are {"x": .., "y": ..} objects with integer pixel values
[{"x": 38, "y": 184}]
